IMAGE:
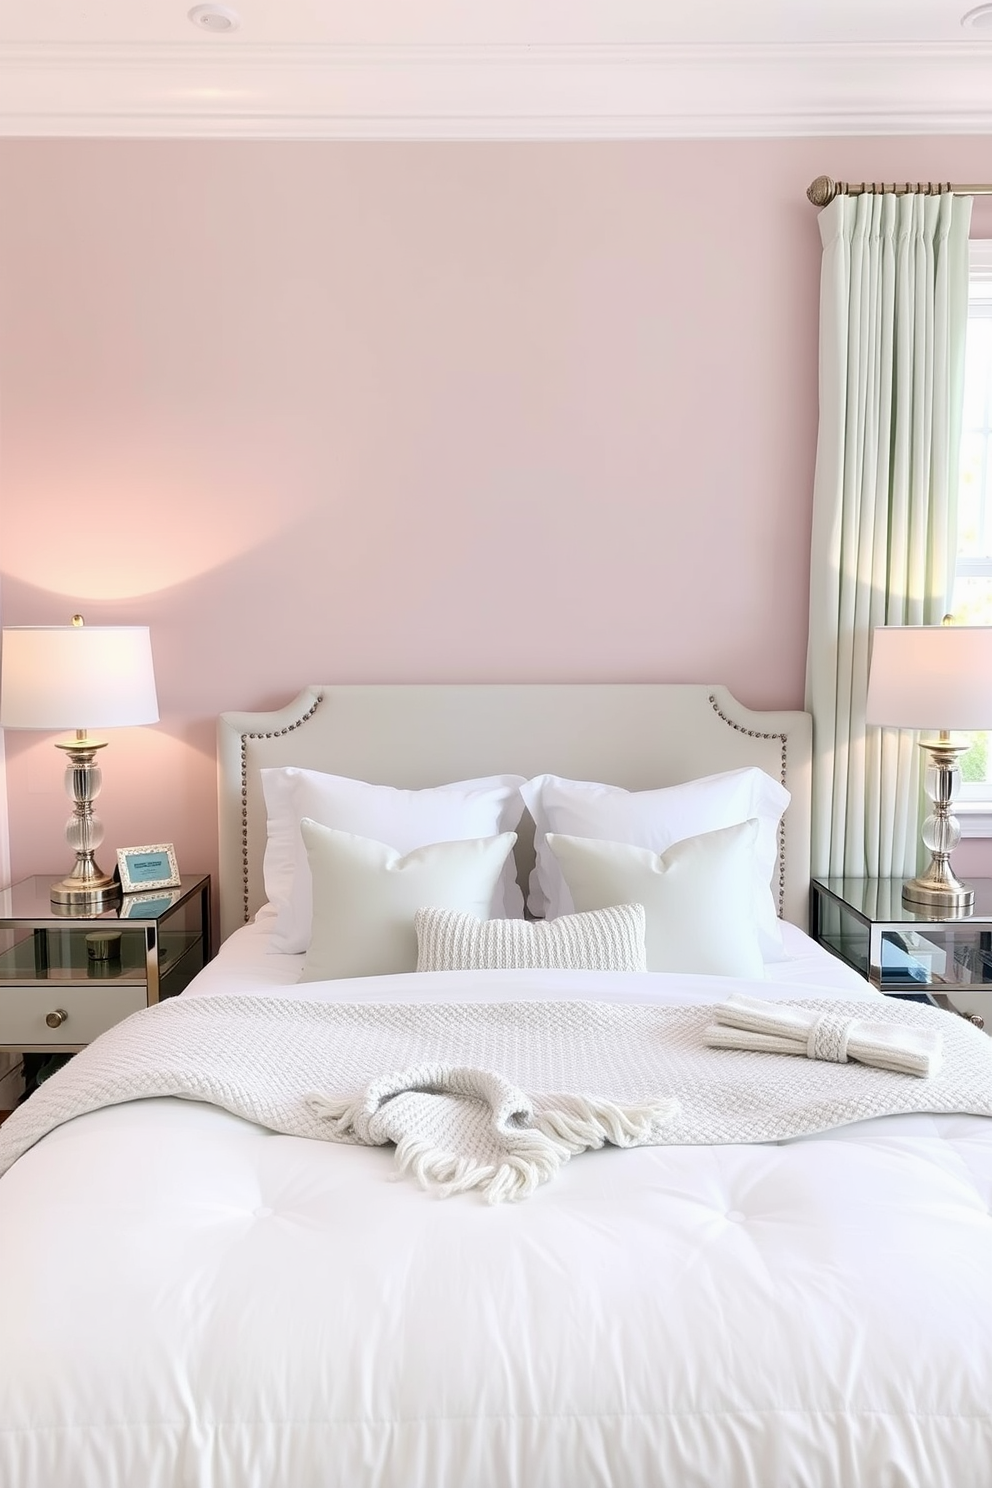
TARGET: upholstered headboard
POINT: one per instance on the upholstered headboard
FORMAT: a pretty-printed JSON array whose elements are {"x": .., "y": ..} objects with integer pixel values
[{"x": 639, "y": 736}]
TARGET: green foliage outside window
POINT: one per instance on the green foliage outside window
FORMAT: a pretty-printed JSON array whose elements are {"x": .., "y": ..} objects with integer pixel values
[{"x": 975, "y": 764}]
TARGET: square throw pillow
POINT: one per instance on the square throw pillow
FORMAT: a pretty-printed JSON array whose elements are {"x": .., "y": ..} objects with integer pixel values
[
  {"x": 405, "y": 819},
  {"x": 698, "y": 896},
  {"x": 366, "y": 896},
  {"x": 602, "y": 940},
  {"x": 656, "y": 819}
]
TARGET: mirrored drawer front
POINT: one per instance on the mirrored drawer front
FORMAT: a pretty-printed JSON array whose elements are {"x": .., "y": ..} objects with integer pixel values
[
  {"x": 62, "y": 1016},
  {"x": 972, "y": 1002}
]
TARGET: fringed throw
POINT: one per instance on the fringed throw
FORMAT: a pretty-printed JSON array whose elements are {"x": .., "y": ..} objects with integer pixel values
[{"x": 495, "y": 1096}]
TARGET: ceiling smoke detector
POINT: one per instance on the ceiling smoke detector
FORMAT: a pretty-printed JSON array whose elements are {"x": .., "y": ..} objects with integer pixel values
[
  {"x": 215, "y": 18},
  {"x": 979, "y": 19}
]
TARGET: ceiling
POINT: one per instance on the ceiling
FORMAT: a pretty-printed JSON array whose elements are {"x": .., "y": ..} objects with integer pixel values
[{"x": 459, "y": 69}]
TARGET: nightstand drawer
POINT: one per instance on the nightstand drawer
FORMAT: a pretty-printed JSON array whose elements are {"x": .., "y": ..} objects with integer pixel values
[{"x": 89, "y": 1011}]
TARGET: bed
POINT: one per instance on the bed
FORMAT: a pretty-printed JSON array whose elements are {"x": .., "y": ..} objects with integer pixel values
[{"x": 194, "y": 1300}]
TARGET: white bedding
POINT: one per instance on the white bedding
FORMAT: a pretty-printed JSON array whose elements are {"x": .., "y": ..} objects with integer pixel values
[
  {"x": 188, "y": 1299},
  {"x": 245, "y": 964}
]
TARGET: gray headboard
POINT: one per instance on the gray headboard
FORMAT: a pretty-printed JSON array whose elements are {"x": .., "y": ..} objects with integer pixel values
[{"x": 639, "y": 736}]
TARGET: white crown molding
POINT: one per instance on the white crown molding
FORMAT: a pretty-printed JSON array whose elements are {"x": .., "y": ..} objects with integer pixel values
[
  {"x": 974, "y": 818},
  {"x": 223, "y": 88}
]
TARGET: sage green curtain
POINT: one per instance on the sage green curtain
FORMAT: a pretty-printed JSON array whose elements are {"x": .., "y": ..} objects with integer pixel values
[{"x": 893, "y": 320}]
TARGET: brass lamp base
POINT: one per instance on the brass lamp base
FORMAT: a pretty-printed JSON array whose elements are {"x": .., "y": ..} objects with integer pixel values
[
  {"x": 74, "y": 895},
  {"x": 937, "y": 890},
  {"x": 87, "y": 889},
  {"x": 943, "y": 893}
]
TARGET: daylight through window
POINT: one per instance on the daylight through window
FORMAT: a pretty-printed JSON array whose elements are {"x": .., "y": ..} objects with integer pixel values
[{"x": 972, "y": 600}]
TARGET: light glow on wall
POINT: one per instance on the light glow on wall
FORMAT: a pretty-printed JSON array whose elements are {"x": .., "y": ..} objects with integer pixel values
[{"x": 113, "y": 539}]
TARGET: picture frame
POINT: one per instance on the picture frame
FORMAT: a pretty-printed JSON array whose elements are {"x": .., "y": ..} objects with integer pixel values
[
  {"x": 152, "y": 866},
  {"x": 147, "y": 904}
]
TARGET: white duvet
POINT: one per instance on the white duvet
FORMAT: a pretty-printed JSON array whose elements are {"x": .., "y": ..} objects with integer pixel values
[{"x": 188, "y": 1299}]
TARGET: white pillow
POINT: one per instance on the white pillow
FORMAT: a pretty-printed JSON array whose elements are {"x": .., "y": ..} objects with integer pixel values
[
  {"x": 605, "y": 940},
  {"x": 366, "y": 896},
  {"x": 697, "y": 896},
  {"x": 404, "y": 819},
  {"x": 656, "y": 819}
]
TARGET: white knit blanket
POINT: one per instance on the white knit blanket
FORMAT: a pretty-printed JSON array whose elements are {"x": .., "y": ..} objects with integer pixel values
[{"x": 521, "y": 1086}]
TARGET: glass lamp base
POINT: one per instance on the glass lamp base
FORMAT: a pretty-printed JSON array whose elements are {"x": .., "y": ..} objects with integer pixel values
[
  {"x": 87, "y": 889},
  {"x": 938, "y": 890}
]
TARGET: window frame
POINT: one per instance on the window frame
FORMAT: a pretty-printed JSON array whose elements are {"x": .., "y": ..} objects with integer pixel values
[{"x": 973, "y": 802}]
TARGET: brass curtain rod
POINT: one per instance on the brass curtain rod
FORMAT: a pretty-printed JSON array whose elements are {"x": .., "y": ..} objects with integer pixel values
[{"x": 823, "y": 190}]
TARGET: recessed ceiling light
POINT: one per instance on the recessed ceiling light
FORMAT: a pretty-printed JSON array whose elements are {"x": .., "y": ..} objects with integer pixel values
[
  {"x": 215, "y": 18},
  {"x": 979, "y": 19}
]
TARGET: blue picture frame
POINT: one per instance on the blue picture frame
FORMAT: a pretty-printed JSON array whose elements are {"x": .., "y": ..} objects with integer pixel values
[
  {"x": 148, "y": 905},
  {"x": 152, "y": 866}
]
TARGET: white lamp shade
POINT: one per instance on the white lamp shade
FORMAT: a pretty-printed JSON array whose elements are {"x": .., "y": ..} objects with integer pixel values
[
  {"x": 931, "y": 677},
  {"x": 77, "y": 677}
]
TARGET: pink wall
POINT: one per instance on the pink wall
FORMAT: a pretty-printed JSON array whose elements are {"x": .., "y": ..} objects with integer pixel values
[{"x": 355, "y": 412}]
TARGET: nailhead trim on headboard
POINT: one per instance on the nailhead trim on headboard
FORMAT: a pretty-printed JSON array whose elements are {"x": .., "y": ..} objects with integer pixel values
[
  {"x": 276, "y": 733},
  {"x": 272, "y": 734},
  {"x": 783, "y": 773}
]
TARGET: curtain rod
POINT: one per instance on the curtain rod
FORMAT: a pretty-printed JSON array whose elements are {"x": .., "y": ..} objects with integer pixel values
[{"x": 823, "y": 190}]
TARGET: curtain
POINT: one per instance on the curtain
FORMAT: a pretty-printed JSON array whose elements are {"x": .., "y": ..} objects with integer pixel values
[{"x": 893, "y": 319}]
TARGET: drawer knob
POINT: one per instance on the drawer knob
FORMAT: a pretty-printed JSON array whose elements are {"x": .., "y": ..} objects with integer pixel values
[{"x": 57, "y": 1018}]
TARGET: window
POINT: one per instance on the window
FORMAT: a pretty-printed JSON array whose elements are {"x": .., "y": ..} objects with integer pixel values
[{"x": 972, "y": 600}]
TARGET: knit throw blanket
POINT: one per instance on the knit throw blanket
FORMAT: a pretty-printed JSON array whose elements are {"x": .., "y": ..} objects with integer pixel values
[{"x": 492, "y": 1096}]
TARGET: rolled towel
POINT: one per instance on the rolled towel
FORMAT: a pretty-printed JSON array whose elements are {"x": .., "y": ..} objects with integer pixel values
[{"x": 777, "y": 1028}]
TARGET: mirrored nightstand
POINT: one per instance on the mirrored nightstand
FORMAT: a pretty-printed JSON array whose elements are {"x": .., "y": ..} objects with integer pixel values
[
  {"x": 904, "y": 952},
  {"x": 64, "y": 979}
]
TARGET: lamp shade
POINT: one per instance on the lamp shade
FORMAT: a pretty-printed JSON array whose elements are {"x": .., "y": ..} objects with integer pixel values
[
  {"x": 76, "y": 676},
  {"x": 931, "y": 677}
]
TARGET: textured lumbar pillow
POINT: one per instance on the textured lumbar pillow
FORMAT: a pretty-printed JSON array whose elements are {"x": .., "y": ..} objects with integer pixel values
[
  {"x": 605, "y": 940},
  {"x": 365, "y": 896},
  {"x": 698, "y": 896}
]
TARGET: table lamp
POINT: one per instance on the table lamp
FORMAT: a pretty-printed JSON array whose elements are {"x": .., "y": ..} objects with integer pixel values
[
  {"x": 936, "y": 677},
  {"x": 54, "y": 676}
]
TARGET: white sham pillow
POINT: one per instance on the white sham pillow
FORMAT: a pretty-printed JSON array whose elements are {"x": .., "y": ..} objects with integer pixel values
[
  {"x": 604, "y": 940},
  {"x": 405, "y": 819},
  {"x": 698, "y": 897},
  {"x": 656, "y": 819},
  {"x": 366, "y": 896}
]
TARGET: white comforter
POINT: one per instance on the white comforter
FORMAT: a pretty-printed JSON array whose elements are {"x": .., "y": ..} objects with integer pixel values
[{"x": 188, "y": 1299}]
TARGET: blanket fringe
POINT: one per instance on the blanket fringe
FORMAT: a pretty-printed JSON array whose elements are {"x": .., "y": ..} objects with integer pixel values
[
  {"x": 534, "y": 1160},
  {"x": 582, "y": 1122},
  {"x": 340, "y": 1112},
  {"x": 536, "y": 1152}
]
